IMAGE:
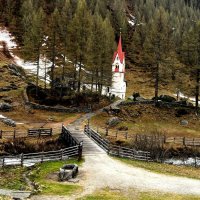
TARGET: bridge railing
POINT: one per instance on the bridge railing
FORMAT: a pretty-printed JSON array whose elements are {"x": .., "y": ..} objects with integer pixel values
[{"x": 114, "y": 149}]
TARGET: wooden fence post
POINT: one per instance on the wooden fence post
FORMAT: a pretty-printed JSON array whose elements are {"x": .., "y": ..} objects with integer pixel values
[
  {"x": 184, "y": 141},
  {"x": 42, "y": 157},
  {"x": 80, "y": 150},
  {"x": 51, "y": 132},
  {"x": 61, "y": 156},
  {"x": 22, "y": 159},
  {"x": 165, "y": 139},
  {"x": 14, "y": 134},
  {"x": 126, "y": 135},
  {"x": 39, "y": 132},
  {"x": 136, "y": 138},
  {"x": 119, "y": 151},
  {"x": 3, "y": 162},
  {"x": 106, "y": 131}
]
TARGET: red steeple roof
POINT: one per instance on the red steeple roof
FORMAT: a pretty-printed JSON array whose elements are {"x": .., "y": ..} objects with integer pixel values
[{"x": 119, "y": 51}]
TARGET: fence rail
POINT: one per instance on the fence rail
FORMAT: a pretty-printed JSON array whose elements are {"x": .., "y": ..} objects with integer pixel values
[
  {"x": 32, "y": 158},
  {"x": 116, "y": 150},
  {"x": 13, "y": 134},
  {"x": 162, "y": 139},
  {"x": 74, "y": 149}
]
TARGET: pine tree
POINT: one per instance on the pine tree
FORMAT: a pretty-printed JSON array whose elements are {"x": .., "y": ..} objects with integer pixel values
[
  {"x": 33, "y": 21},
  {"x": 80, "y": 32}
]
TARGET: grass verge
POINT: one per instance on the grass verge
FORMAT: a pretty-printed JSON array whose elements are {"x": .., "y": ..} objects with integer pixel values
[
  {"x": 107, "y": 194},
  {"x": 12, "y": 178},
  {"x": 185, "y": 171},
  {"x": 45, "y": 177}
]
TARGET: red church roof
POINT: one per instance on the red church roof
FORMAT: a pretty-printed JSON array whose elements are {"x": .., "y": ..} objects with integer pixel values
[{"x": 119, "y": 51}]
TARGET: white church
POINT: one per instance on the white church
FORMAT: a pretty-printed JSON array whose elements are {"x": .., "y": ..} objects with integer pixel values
[{"x": 118, "y": 87}]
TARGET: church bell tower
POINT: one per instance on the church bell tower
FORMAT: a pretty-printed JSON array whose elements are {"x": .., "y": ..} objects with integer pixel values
[{"x": 118, "y": 72}]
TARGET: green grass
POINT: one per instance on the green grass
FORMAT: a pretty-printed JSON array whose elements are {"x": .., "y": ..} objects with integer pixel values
[
  {"x": 174, "y": 170},
  {"x": 49, "y": 186},
  {"x": 165, "y": 196},
  {"x": 4, "y": 197},
  {"x": 12, "y": 178},
  {"x": 107, "y": 194}
]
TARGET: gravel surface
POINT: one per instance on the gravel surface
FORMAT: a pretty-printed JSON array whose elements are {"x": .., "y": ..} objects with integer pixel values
[{"x": 100, "y": 171}]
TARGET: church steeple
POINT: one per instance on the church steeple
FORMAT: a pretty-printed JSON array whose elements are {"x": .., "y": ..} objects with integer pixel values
[{"x": 119, "y": 51}]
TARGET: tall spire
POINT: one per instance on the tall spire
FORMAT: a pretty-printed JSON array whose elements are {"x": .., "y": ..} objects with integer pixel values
[{"x": 119, "y": 49}]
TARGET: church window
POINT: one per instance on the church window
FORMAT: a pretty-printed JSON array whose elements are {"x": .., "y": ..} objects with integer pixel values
[{"x": 116, "y": 67}]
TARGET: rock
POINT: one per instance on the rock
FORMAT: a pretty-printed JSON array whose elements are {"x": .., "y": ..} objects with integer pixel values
[
  {"x": 140, "y": 99},
  {"x": 166, "y": 98},
  {"x": 182, "y": 111},
  {"x": 135, "y": 95},
  {"x": 113, "y": 121},
  {"x": 123, "y": 128},
  {"x": 9, "y": 122},
  {"x": 5, "y": 107},
  {"x": 131, "y": 98},
  {"x": 184, "y": 122}
]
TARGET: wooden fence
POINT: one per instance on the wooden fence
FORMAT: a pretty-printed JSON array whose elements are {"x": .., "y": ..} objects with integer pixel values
[
  {"x": 13, "y": 134},
  {"x": 116, "y": 150},
  {"x": 32, "y": 158},
  {"x": 74, "y": 149},
  {"x": 162, "y": 139}
]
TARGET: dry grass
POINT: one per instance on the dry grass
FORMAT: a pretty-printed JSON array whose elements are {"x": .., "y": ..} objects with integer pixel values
[
  {"x": 108, "y": 194},
  {"x": 150, "y": 118}
]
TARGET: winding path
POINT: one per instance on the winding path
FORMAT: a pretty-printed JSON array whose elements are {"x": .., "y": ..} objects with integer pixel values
[{"x": 102, "y": 171}]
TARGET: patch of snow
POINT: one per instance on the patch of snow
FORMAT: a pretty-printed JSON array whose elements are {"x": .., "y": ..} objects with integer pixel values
[
  {"x": 132, "y": 20},
  {"x": 2, "y": 117},
  {"x": 188, "y": 162},
  {"x": 192, "y": 99},
  {"x": 132, "y": 23},
  {"x": 8, "y": 38}
]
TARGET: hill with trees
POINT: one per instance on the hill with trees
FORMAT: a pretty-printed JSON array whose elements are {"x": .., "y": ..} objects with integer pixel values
[{"x": 160, "y": 37}]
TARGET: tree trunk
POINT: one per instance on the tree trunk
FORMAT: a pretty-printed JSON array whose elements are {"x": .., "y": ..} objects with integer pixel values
[
  {"x": 79, "y": 76},
  {"x": 53, "y": 60},
  {"x": 38, "y": 66},
  {"x": 156, "y": 82},
  {"x": 197, "y": 90}
]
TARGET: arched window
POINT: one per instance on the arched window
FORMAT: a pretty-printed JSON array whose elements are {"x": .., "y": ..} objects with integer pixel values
[{"x": 117, "y": 68}]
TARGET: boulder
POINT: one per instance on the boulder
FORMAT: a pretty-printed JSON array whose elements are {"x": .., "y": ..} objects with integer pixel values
[
  {"x": 9, "y": 122},
  {"x": 131, "y": 98},
  {"x": 167, "y": 98},
  {"x": 135, "y": 95},
  {"x": 113, "y": 121},
  {"x": 5, "y": 107},
  {"x": 184, "y": 122},
  {"x": 140, "y": 99}
]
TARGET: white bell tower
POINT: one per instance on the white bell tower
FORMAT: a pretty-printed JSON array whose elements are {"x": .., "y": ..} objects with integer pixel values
[{"x": 118, "y": 87}]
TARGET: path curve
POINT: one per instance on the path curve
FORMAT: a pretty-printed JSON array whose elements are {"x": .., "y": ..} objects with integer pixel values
[{"x": 100, "y": 171}]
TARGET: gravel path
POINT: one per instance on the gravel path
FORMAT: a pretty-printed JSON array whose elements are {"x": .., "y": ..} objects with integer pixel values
[{"x": 100, "y": 171}]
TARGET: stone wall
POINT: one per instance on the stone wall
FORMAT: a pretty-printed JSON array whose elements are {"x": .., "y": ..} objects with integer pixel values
[{"x": 160, "y": 103}]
